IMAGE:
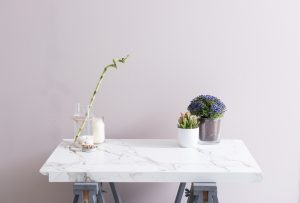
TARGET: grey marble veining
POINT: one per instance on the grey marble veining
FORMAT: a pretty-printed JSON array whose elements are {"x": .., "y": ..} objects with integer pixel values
[{"x": 153, "y": 160}]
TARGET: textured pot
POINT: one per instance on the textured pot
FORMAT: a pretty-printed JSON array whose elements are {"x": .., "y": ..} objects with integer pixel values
[
  {"x": 188, "y": 137},
  {"x": 209, "y": 130}
]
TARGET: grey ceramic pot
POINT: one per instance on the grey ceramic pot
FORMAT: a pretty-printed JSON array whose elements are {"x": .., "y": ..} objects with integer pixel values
[{"x": 209, "y": 130}]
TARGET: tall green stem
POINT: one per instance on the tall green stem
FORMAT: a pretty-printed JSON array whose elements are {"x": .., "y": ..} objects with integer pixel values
[{"x": 113, "y": 65}]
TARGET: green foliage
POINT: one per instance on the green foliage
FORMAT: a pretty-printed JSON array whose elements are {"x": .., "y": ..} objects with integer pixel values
[
  {"x": 207, "y": 106},
  {"x": 114, "y": 64},
  {"x": 187, "y": 121}
]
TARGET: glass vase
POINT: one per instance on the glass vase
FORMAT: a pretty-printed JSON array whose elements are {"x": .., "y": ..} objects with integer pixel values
[
  {"x": 86, "y": 137},
  {"x": 209, "y": 130}
]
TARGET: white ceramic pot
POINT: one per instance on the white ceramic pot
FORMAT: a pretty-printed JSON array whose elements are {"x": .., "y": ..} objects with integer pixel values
[{"x": 188, "y": 137}]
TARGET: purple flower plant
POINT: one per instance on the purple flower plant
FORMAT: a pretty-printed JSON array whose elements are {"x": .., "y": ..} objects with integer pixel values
[{"x": 207, "y": 106}]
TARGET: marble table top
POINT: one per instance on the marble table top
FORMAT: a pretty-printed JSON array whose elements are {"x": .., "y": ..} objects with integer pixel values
[{"x": 153, "y": 160}]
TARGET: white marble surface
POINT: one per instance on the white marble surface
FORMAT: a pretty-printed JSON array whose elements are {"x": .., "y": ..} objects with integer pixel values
[{"x": 153, "y": 160}]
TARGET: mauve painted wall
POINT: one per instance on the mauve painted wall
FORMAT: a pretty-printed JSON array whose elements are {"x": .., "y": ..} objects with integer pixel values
[{"x": 245, "y": 52}]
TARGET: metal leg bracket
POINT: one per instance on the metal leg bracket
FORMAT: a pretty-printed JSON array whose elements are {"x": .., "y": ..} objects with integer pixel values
[
  {"x": 87, "y": 193},
  {"x": 92, "y": 193},
  {"x": 202, "y": 193}
]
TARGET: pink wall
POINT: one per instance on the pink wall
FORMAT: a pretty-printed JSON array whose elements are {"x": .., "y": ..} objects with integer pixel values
[{"x": 245, "y": 52}]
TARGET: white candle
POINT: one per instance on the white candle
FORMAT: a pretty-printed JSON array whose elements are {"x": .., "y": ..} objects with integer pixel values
[{"x": 98, "y": 130}]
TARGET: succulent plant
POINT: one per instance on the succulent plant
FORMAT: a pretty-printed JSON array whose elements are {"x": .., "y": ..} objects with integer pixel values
[{"x": 187, "y": 121}]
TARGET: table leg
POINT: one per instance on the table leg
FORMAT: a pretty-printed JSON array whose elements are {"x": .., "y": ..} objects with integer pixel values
[
  {"x": 115, "y": 193},
  {"x": 210, "y": 198},
  {"x": 100, "y": 197},
  {"x": 203, "y": 193},
  {"x": 198, "y": 199},
  {"x": 85, "y": 192},
  {"x": 76, "y": 198},
  {"x": 215, "y": 197},
  {"x": 191, "y": 199},
  {"x": 180, "y": 192},
  {"x": 190, "y": 195}
]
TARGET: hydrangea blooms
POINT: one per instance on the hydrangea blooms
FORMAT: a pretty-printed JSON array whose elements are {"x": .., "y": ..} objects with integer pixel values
[{"x": 207, "y": 106}]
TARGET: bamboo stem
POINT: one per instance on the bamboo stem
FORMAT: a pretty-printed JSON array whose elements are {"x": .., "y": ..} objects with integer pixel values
[{"x": 113, "y": 65}]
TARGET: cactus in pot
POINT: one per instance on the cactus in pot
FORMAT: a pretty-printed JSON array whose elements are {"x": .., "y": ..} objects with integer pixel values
[
  {"x": 188, "y": 130},
  {"x": 187, "y": 121}
]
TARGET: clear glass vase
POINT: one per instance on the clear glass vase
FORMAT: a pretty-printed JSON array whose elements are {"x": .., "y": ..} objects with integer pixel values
[{"x": 86, "y": 136}]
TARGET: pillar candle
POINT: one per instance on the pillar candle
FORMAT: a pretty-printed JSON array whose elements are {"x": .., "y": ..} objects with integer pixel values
[{"x": 98, "y": 130}]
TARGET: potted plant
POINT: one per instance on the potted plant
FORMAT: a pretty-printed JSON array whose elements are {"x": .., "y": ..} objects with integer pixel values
[
  {"x": 188, "y": 130},
  {"x": 209, "y": 110}
]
